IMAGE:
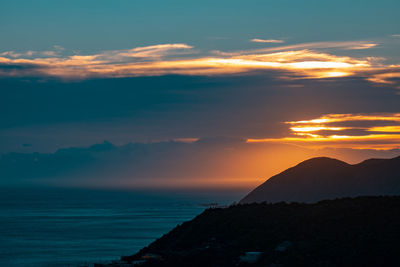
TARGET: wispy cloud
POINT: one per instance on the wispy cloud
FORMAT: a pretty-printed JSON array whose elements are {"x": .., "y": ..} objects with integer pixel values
[
  {"x": 291, "y": 61},
  {"x": 146, "y": 53},
  {"x": 13, "y": 54},
  {"x": 56, "y": 51},
  {"x": 359, "y": 131},
  {"x": 344, "y": 45},
  {"x": 387, "y": 75},
  {"x": 273, "y": 41}
]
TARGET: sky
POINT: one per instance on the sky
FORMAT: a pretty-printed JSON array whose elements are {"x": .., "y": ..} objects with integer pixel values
[{"x": 185, "y": 94}]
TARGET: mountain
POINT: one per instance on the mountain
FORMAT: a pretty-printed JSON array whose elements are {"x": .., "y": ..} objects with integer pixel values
[
  {"x": 325, "y": 178},
  {"x": 362, "y": 231}
]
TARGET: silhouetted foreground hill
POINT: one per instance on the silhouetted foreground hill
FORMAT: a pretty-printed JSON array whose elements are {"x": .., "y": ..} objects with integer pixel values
[
  {"x": 363, "y": 231},
  {"x": 324, "y": 178}
]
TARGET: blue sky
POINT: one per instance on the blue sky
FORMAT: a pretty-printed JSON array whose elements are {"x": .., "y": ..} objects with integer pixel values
[{"x": 106, "y": 25}]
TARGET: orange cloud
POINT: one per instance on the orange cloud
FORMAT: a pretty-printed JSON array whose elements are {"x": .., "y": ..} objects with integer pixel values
[
  {"x": 386, "y": 129},
  {"x": 186, "y": 140},
  {"x": 349, "y": 117},
  {"x": 294, "y": 61},
  {"x": 316, "y": 128},
  {"x": 393, "y": 72},
  {"x": 304, "y": 132}
]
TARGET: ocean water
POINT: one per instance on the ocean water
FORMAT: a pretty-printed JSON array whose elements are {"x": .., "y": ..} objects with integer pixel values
[{"x": 68, "y": 227}]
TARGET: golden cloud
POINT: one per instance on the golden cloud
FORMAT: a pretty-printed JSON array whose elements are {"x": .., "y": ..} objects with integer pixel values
[
  {"x": 294, "y": 61},
  {"x": 309, "y": 132},
  {"x": 273, "y": 41}
]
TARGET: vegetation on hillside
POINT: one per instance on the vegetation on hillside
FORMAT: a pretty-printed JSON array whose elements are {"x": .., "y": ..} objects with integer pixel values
[{"x": 363, "y": 231}]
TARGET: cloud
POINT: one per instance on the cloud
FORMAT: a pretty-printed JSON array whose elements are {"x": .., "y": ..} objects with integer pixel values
[
  {"x": 53, "y": 113},
  {"x": 49, "y": 53},
  {"x": 206, "y": 163},
  {"x": 358, "y": 131},
  {"x": 14, "y": 54},
  {"x": 186, "y": 139},
  {"x": 57, "y": 50},
  {"x": 292, "y": 62},
  {"x": 273, "y": 41},
  {"x": 145, "y": 53},
  {"x": 344, "y": 45},
  {"x": 388, "y": 75}
]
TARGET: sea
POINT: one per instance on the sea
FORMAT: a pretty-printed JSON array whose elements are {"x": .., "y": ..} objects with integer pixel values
[{"x": 72, "y": 227}]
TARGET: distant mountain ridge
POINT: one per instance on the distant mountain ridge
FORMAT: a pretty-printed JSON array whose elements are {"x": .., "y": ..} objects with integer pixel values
[{"x": 326, "y": 178}]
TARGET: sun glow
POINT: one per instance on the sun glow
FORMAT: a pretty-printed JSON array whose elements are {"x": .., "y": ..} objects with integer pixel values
[{"x": 315, "y": 128}]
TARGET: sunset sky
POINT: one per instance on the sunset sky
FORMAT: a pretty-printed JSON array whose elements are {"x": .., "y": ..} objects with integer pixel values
[{"x": 193, "y": 94}]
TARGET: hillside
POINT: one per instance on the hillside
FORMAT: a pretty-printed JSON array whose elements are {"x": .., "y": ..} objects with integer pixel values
[
  {"x": 325, "y": 178},
  {"x": 362, "y": 231}
]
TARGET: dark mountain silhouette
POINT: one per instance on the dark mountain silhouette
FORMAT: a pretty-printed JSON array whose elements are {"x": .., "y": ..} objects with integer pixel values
[
  {"x": 362, "y": 231},
  {"x": 359, "y": 231},
  {"x": 325, "y": 178}
]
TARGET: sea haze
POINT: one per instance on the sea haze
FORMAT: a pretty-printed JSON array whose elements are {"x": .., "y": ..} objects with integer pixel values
[{"x": 67, "y": 227}]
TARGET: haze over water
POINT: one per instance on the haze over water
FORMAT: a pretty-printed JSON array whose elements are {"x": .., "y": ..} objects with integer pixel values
[{"x": 66, "y": 227}]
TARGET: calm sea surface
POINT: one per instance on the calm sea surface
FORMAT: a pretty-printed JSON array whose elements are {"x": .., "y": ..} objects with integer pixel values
[{"x": 66, "y": 227}]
